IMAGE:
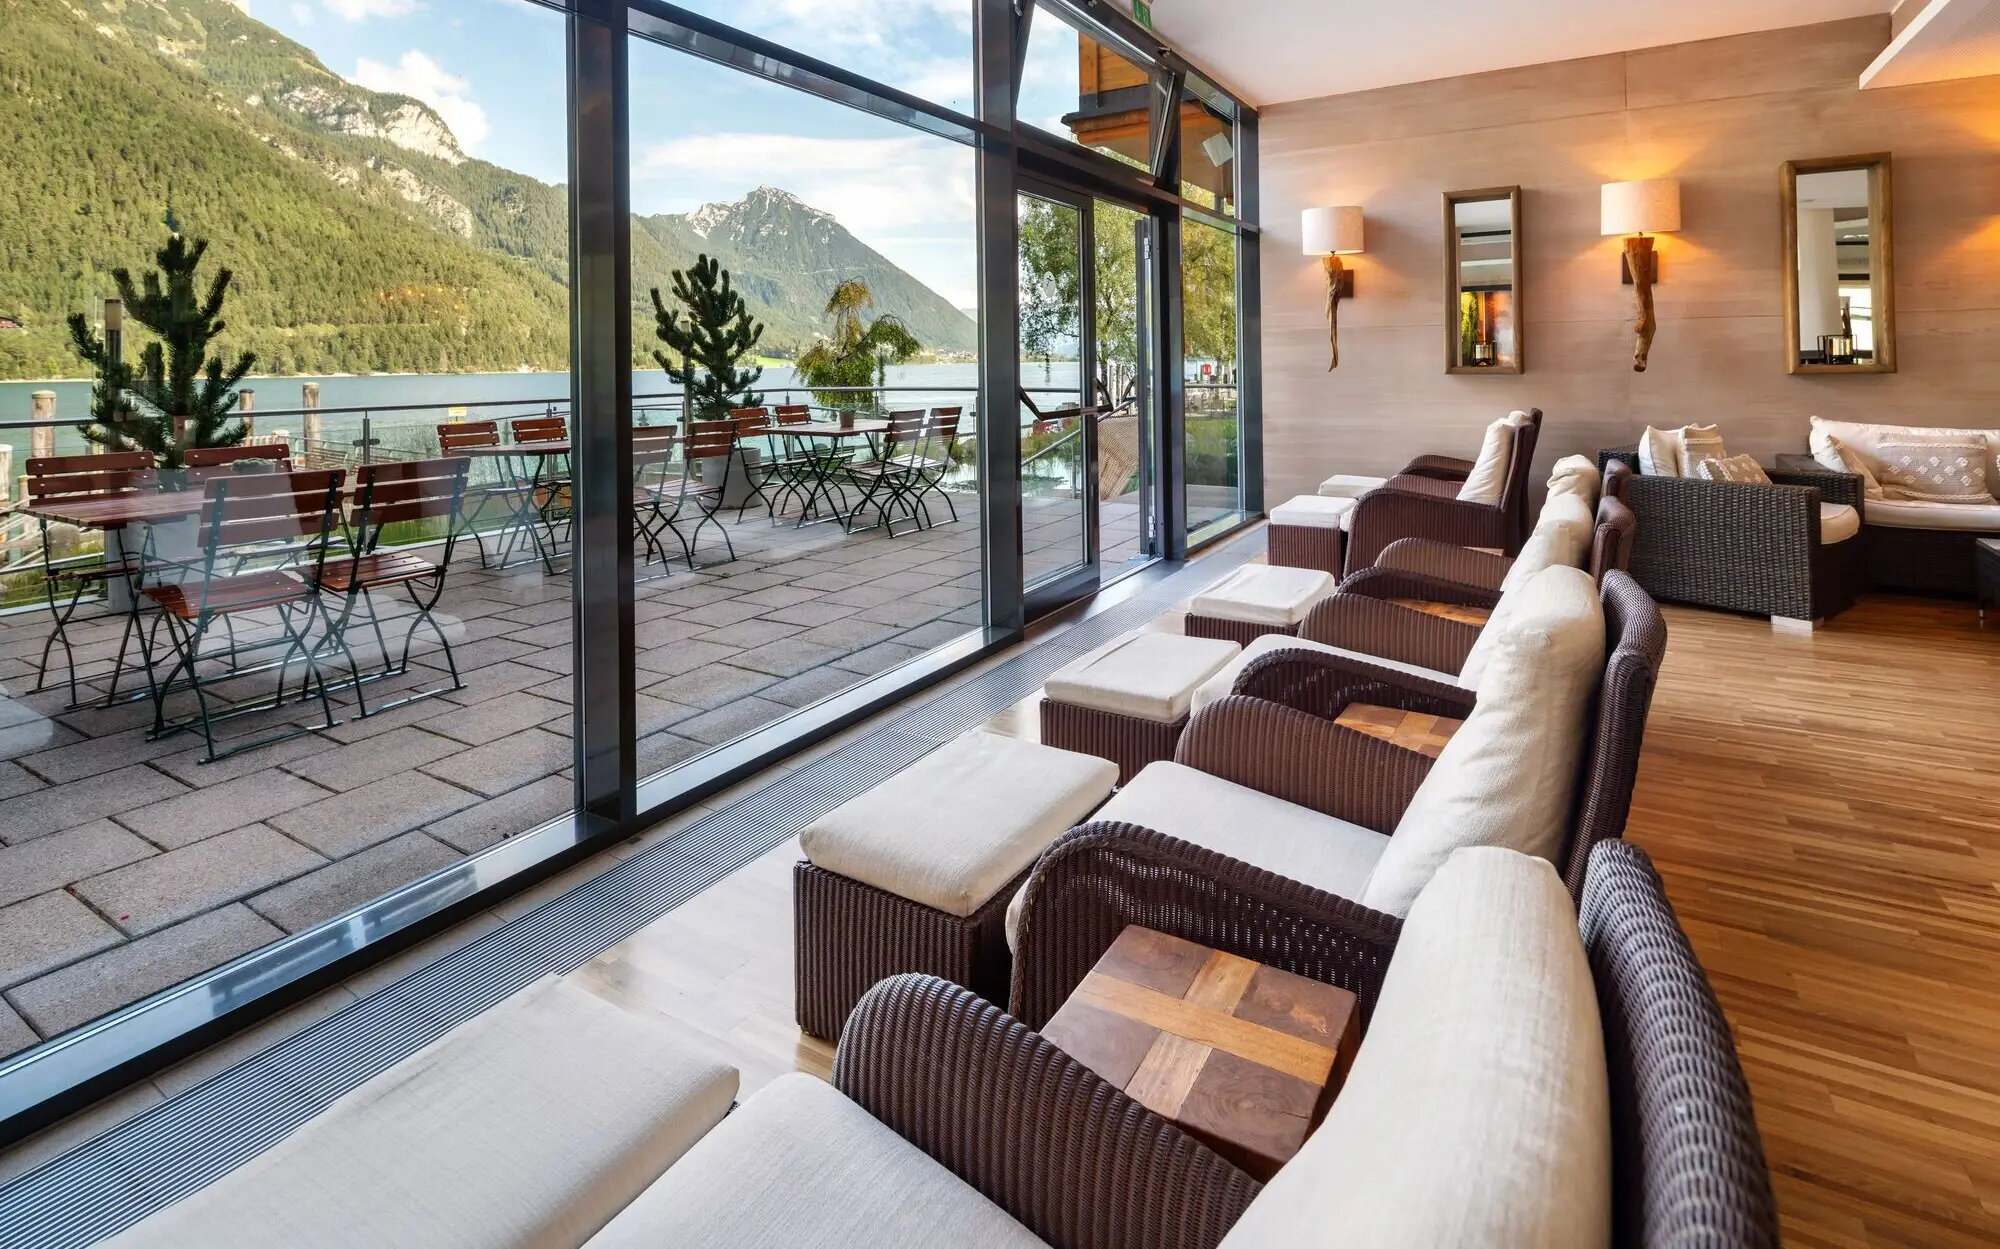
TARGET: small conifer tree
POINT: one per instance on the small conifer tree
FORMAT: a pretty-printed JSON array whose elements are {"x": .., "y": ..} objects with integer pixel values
[{"x": 711, "y": 339}]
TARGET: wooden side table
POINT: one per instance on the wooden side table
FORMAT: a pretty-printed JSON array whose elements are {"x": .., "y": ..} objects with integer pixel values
[
  {"x": 1245, "y": 1057},
  {"x": 1412, "y": 730},
  {"x": 1447, "y": 611}
]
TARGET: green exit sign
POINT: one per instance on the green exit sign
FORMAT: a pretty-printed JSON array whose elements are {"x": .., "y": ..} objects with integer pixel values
[{"x": 1143, "y": 13}]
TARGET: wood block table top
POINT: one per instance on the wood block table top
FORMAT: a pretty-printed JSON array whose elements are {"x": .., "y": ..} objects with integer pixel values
[
  {"x": 1243, "y": 1056},
  {"x": 1449, "y": 611},
  {"x": 1412, "y": 730}
]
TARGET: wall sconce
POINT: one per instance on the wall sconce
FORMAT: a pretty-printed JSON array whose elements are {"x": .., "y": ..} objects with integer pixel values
[
  {"x": 1637, "y": 209},
  {"x": 1333, "y": 233}
]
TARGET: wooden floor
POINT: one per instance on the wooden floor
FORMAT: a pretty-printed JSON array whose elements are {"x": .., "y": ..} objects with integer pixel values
[{"x": 1824, "y": 811}]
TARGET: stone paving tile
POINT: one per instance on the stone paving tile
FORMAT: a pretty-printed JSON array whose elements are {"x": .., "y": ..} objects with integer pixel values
[
  {"x": 96, "y": 756},
  {"x": 695, "y": 595},
  {"x": 780, "y": 593},
  {"x": 556, "y": 633},
  {"x": 710, "y": 686},
  {"x": 850, "y": 634},
  {"x": 496, "y": 819},
  {"x": 749, "y": 634},
  {"x": 936, "y": 633},
  {"x": 81, "y": 992},
  {"x": 35, "y": 735},
  {"x": 878, "y": 658},
  {"x": 66, "y": 806},
  {"x": 665, "y": 632},
  {"x": 725, "y": 612},
  {"x": 15, "y": 1036},
  {"x": 686, "y": 656},
  {"x": 506, "y": 764},
  {"x": 14, "y": 780},
  {"x": 541, "y": 613},
  {"x": 809, "y": 613},
  {"x": 788, "y": 657},
  {"x": 493, "y": 681},
  {"x": 346, "y": 767},
  {"x": 494, "y": 719},
  {"x": 47, "y": 932},
  {"x": 373, "y": 812},
  {"x": 475, "y": 655},
  {"x": 866, "y": 595},
  {"x": 809, "y": 687},
  {"x": 658, "y": 713},
  {"x": 558, "y": 661},
  {"x": 65, "y": 857},
  {"x": 731, "y": 721},
  {"x": 660, "y": 751},
  {"x": 219, "y": 808},
  {"x": 905, "y": 613},
  {"x": 830, "y": 581},
  {"x": 748, "y": 582},
  {"x": 322, "y": 894},
  {"x": 167, "y": 888},
  {"x": 187, "y": 767}
]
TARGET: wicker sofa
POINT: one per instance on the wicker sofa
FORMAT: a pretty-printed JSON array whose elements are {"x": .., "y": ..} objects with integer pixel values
[
  {"x": 1422, "y": 502},
  {"x": 1766, "y": 550}
]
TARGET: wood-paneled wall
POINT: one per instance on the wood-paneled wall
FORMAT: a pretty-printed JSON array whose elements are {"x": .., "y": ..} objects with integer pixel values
[{"x": 1722, "y": 115}]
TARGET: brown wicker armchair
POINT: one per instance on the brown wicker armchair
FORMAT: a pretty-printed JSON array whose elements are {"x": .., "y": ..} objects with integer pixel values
[
  {"x": 1422, "y": 502},
  {"x": 1687, "y": 1163},
  {"x": 1409, "y": 567},
  {"x": 1746, "y": 547}
]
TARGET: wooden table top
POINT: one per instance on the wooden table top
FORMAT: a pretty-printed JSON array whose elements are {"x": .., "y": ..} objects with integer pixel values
[
  {"x": 1449, "y": 611},
  {"x": 1412, "y": 730},
  {"x": 1243, "y": 1056},
  {"x": 514, "y": 448},
  {"x": 116, "y": 511},
  {"x": 820, "y": 429}
]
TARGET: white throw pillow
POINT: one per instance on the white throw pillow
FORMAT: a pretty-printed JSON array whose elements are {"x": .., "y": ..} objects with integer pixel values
[
  {"x": 1488, "y": 478},
  {"x": 1659, "y": 453},
  {"x": 1836, "y": 456},
  {"x": 1575, "y": 474},
  {"x": 1477, "y": 1114},
  {"x": 1507, "y": 777}
]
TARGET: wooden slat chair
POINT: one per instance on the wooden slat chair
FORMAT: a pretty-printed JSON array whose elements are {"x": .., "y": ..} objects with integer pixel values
[
  {"x": 224, "y": 457},
  {"x": 395, "y": 493},
  {"x": 888, "y": 482},
  {"x": 939, "y": 453},
  {"x": 666, "y": 494},
  {"x": 751, "y": 424},
  {"x": 653, "y": 466},
  {"x": 554, "y": 493},
  {"x": 66, "y": 478},
  {"x": 800, "y": 460},
  {"x": 300, "y": 509},
  {"x": 496, "y": 487},
  {"x": 204, "y": 464}
]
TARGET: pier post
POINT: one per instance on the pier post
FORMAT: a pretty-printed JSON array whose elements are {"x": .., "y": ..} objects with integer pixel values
[
  {"x": 42, "y": 438},
  {"x": 247, "y": 404},
  {"x": 309, "y": 431}
]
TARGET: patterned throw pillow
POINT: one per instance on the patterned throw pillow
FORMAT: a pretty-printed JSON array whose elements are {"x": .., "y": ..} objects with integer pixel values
[
  {"x": 1934, "y": 468},
  {"x": 1698, "y": 443},
  {"x": 1833, "y": 454},
  {"x": 1743, "y": 468}
]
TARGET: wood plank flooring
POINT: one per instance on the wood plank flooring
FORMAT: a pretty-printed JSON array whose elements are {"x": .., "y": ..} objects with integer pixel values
[{"x": 1823, "y": 809}]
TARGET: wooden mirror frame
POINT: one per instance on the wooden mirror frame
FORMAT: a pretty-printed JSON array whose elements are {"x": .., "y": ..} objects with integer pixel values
[
  {"x": 1512, "y": 194},
  {"x": 1881, "y": 259}
]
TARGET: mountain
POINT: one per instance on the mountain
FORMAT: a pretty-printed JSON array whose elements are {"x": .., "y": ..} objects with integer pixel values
[{"x": 363, "y": 238}]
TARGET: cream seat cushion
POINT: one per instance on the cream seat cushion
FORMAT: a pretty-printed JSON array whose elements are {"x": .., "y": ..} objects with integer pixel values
[
  {"x": 953, "y": 828},
  {"x": 529, "y": 1126},
  {"x": 1866, "y": 440},
  {"x": 1350, "y": 486},
  {"x": 1148, "y": 676},
  {"x": 800, "y": 1164},
  {"x": 1264, "y": 594},
  {"x": 1508, "y": 776},
  {"x": 1912, "y": 514},
  {"x": 1220, "y": 685},
  {"x": 1488, "y": 478},
  {"x": 1838, "y": 522},
  {"x": 1312, "y": 511},
  {"x": 1245, "y": 824},
  {"x": 1576, "y": 475},
  {"x": 1477, "y": 1114}
]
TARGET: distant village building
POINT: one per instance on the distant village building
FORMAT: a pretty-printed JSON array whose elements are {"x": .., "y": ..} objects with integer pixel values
[{"x": 11, "y": 323}]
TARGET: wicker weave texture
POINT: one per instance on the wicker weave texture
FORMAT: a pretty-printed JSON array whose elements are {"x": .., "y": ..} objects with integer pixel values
[
  {"x": 1322, "y": 685},
  {"x": 1387, "y": 513},
  {"x": 1361, "y": 621},
  {"x": 1305, "y": 546},
  {"x": 1306, "y": 760},
  {"x": 1636, "y": 645},
  {"x": 1611, "y": 542},
  {"x": 1242, "y": 632},
  {"x": 1443, "y": 467},
  {"x": 1457, "y": 564},
  {"x": 1687, "y": 1164},
  {"x": 1127, "y": 741},
  {"x": 847, "y": 935}
]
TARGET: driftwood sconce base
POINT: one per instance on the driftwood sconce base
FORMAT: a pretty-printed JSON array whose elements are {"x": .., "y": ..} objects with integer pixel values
[
  {"x": 1625, "y": 268},
  {"x": 1339, "y": 286},
  {"x": 1639, "y": 263}
]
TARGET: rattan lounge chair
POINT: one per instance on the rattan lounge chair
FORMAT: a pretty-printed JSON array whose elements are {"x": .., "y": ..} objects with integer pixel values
[{"x": 1422, "y": 502}]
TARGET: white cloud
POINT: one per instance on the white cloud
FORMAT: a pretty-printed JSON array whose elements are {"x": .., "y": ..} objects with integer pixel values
[
  {"x": 418, "y": 76},
  {"x": 362, "y": 10},
  {"x": 302, "y": 14}
]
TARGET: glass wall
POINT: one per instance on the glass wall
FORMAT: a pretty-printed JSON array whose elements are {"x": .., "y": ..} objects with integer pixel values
[
  {"x": 1209, "y": 344},
  {"x": 1079, "y": 87}
]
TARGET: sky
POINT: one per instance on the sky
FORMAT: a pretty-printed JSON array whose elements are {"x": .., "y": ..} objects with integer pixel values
[{"x": 702, "y": 133}]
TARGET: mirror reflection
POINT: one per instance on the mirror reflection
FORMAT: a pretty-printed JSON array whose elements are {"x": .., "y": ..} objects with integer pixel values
[
  {"x": 1482, "y": 276},
  {"x": 1839, "y": 312}
]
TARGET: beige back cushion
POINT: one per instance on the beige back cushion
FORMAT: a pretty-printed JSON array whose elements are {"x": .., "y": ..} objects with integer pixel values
[
  {"x": 1507, "y": 776},
  {"x": 1561, "y": 537},
  {"x": 1935, "y": 468},
  {"x": 1698, "y": 443},
  {"x": 1837, "y": 456},
  {"x": 1659, "y": 453},
  {"x": 1866, "y": 440},
  {"x": 1575, "y": 474},
  {"x": 1489, "y": 472},
  {"x": 1478, "y": 1112}
]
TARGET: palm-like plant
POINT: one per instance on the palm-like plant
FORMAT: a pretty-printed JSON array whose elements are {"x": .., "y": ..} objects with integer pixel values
[{"x": 859, "y": 352}]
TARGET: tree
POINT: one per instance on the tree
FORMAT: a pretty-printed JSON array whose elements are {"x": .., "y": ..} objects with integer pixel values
[
  {"x": 1050, "y": 281},
  {"x": 859, "y": 352},
  {"x": 714, "y": 336},
  {"x": 180, "y": 396}
]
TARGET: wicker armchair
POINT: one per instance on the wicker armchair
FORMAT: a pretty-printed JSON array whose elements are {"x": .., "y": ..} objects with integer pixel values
[
  {"x": 1422, "y": 502},
  {"x": 1745, "y": 547},
  {"x": 1276, "y": 754},
  {"x": 1687, "y": 1163},
  {"x": 1413, "y": 564}
]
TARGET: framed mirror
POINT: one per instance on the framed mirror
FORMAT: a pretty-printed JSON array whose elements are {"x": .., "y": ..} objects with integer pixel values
[
  {"x": 1482, "y": 281},
  {"x": 1840, "y": 287}
]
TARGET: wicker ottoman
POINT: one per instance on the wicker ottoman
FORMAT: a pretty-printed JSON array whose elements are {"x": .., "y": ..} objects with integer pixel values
[
  {"x": 1257, "y": 599},
  {"x": 915, "y": 874},
  {"x": 1128, "y": 701},
  {"x": 1309, "y": 532},
  {"x": 1347, "y": 486}
]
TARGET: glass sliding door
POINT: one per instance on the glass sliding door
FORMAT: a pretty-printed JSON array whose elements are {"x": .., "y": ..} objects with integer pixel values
[{"x": 1212, "y": 428}]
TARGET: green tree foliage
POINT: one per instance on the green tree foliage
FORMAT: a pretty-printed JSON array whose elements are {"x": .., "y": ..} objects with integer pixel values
[
  {"x": 184, "y": 395},
  {"x": 860, "y": 350},
  {"x": 705, "y": 346},
  {"x": 1050, "y": 282}
]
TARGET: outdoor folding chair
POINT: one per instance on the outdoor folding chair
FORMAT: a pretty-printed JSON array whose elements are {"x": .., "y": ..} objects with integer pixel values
[
  {"x": 753, "y": 424},
  {"x": 935, "y": 463},
  {"x": 653, "y": 467},
  {"x": 66, "y": 478},
  {"x": 398, "y": 492},
  {"x": 550, "y": 489},
  {"x": 460, "y": 437},
  {"x": 300, "y": 508},
  {"x": 796, "y": 467},
  {"x": 887, "y": 482},
  {"x": 667, "y": 494},
  {"x": 224, "y": 457}
]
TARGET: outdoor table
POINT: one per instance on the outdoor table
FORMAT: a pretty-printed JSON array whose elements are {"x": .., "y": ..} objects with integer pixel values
[
  {"x": 529, "y": 515},
  {"x": 114, "y": 513},
  {"x": 822, "y": 467}
]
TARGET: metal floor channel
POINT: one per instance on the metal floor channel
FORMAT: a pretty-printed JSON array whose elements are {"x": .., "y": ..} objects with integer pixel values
[{"x": 112, "y": 1181}]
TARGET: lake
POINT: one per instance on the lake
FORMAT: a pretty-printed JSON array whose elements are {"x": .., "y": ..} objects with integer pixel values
[{"x": 399, "y": 400}]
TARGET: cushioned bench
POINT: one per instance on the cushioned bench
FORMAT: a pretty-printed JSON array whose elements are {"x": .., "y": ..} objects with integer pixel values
[
  {"x": 1128, "y": 701},
  {"x": 915, "y": 874},
  {"x": 530, "y": 1126},
  {"x": 1255, "y": 600},
  {"x": 1309, "y": 532}
]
